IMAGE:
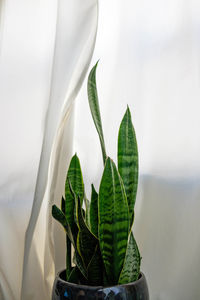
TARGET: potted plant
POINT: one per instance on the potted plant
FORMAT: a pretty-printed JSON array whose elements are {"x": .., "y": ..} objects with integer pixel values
[{"x": 103, "y": 260}]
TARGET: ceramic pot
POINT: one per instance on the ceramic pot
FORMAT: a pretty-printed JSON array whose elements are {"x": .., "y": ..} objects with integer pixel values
[{"x": 63, "y": 290}]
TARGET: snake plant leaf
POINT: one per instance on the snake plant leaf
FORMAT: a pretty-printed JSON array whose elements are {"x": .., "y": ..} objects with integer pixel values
[
  {"x": 94, "y": 270},
  {"x": 78, "y": 261},
  {"x": 94, "y": 108},
  {"x": 68, "y": 257},
  {"x": 128, "y": 160},
  {"x": 131, "y": 267},
  {"x": 70, "y": 211},
  {"x": 94, "y": 212},
  {"x": 74, "y": 175},
  {"x": 87, "y": 212},
  {"x": 77, "y": 277},
  {"x": 74, "y": 275},
  {"x": 63, "y": 205},
  {"x": 60, "y": 217},
  {"x": 86, "y": 241},
  {"x": 113, "y": 221}
]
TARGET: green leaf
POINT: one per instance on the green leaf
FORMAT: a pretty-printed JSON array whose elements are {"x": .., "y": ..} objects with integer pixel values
[
  {"x": 86, "y": 241},
  {"x": 131, "y": 268},
  {"x": 128, "y": 160},
  {"x": 63, "y": 205},
  {"x": 68, "y": 257},
  {"x": 70, "y": 210},
  {"x": 87, "y": 213},
  {"x": 94, "y": 212},
  {"x": 94, "y": 108},
  {"x": 95, "y": 268},
  {"x": 60, "y": 217},
  {"x": 74, "y": 175},
  {"x": 74, "y": 275},
  {"x": 113, "y": 221}
]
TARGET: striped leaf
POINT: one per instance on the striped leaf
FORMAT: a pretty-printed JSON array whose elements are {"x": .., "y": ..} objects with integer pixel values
[
  {"x": 94, "y": 212},
  {"x": 60, "y": 217},
  {"x": 113, "y": 221},
  {"x": 94, "y": 107},
  {"x": 74, "y": 275},
  {"x": 74, "y": 175},
  {"x": 95, "y": 267},
  {"x": 86, "y": 241},
  {"x": 70, "y": 211},
  {"x": 131, "y": 267},
  {"x": 128, "y": 160},
  {"x": 87, "y": 212}
]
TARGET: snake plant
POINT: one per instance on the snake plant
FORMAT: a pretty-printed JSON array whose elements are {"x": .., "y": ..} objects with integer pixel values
[{"x": 101, "y": 248}]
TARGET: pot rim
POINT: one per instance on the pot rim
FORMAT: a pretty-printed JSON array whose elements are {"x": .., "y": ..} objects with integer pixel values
[{"x": 142, "y": 277}]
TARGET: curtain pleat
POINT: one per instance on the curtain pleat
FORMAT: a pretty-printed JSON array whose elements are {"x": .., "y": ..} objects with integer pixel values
[
  {"x": 74, "y": 44},
  {"x": 46, "y": 48}
]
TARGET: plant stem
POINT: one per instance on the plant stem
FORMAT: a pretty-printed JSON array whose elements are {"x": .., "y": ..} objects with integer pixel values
[{"x": 68, "y": 258}]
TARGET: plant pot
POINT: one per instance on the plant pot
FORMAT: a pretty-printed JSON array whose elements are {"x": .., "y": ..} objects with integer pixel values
[{"x": 63, "y": 290}]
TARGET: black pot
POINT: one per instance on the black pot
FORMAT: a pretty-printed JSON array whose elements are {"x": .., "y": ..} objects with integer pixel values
[{"x": 63, "y": 290}]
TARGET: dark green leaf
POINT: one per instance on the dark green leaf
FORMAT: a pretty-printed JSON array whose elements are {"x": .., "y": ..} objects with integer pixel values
[
  {"x": 60, "y": 217},
  {"x": 95, "y": 268},
  {"x": 86, "y": 241},
  {"x": 94, "y": 212},
  {"x": 94, "y": 107},
  {"x": 131, "y": 267},
  {"x": 74, "y": 275},
  {"x": 63, "y": 205},
  {"x": 113, "y": 221},
  {"x": 74, "y": 175},
  {"x": 87, "y": 214},
  {"x": 70, "y": 210},
  {"x": 68, "y": 257},
  {"x": 128, "y": 160}
]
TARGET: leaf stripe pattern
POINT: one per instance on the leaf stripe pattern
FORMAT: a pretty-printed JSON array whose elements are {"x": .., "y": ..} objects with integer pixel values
[
  {"x": 131, "y": 267},
  {"x": 128, "y": 160},
  {"x": 60, "y": 217},
  {"x": 74, "y": 175},
  {"x": 95, "y": 275},
  {"x": 94, "y": 212},
  {"x": 94, "y": 108},
  {"x": 86, "y": 241},
  {"x": 113, "y": 221}
]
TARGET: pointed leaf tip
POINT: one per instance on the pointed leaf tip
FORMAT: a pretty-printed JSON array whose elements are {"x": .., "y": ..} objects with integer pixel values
[
  {"x": 128, "y": 159},
  {"x": 94, "y": 108}
]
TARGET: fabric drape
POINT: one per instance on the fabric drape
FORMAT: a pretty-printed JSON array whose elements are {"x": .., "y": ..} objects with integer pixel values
[{"x": 53, "y": 48}]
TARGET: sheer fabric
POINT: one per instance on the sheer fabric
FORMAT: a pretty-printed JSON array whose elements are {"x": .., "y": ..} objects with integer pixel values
[{"x": 46, "y": 48}]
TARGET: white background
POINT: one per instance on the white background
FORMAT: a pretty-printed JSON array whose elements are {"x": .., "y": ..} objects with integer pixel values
[{"x": 149, "y": 59}]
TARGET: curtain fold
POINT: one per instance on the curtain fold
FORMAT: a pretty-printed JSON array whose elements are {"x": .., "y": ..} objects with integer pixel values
[
  {"x": 74, "y": 44},
  {"x": 46, "y": 48}
]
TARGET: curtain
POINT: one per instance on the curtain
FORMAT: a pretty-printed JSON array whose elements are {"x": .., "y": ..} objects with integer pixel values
[
  {"x": 149, "y": 59},
  {"x": 46, "y": 49}
]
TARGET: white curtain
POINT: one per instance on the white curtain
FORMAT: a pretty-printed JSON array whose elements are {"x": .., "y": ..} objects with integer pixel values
[
  {"x": 149, "y": 59},
  {"x": 46, "y": 49}
]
